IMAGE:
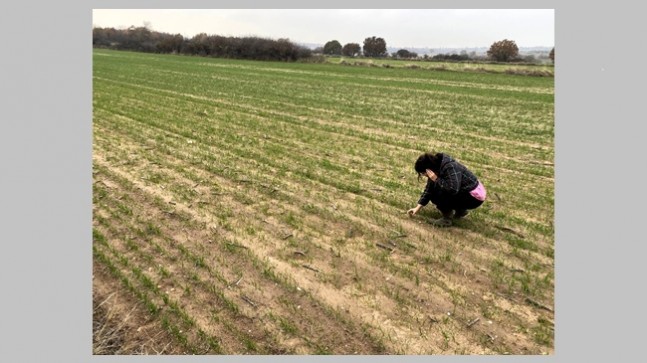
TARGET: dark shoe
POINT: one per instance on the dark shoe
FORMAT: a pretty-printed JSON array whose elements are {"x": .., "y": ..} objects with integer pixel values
[
  {"x": 460, "y": 214},
  {"x": 441, "y": 222}
]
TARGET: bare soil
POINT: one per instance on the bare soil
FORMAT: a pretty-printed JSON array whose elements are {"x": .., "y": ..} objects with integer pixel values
[{"x": 292, "y": 297}]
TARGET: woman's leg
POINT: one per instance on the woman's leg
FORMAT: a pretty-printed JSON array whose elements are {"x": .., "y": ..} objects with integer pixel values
[
  {"x": 464, "y": 202},
  {"x": 443, "y": 203},
  {"x": 445, "y": 221}
]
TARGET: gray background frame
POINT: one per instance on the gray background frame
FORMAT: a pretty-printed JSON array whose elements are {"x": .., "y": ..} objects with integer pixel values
[{"x": 46, "y": 194}]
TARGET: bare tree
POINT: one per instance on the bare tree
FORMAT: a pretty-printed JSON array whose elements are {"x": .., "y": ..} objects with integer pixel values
[
  {"x": 333, "y": 47},
  {"x": 375, "y": 47},
  {"x": 504, "y": 50},
  {"x": 551, "y": 55},
  {"x": 351, "y": 50}
]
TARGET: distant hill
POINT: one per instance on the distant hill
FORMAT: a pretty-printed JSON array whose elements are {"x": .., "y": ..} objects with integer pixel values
[
  {"x": 483, "y": 50},
  {"x": 434, "y": 51}
]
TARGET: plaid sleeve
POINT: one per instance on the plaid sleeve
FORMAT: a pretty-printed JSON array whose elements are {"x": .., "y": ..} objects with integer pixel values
[
  {"x": 426, "y": 194},
  {"x": 450, "y": 179}
]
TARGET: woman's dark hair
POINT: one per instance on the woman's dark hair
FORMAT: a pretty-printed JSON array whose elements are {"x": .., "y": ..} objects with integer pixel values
[{"x": 428, "y": 161}]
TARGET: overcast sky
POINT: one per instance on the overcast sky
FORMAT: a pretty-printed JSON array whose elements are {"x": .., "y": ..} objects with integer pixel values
[{"x": 424, "y": 28}]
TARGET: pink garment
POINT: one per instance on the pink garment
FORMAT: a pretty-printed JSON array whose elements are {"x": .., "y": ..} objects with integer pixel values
[{"x": 479, "y": 192}]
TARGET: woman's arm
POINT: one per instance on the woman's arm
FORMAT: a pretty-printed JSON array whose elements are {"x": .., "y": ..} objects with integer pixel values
[{"x": 449, "y": 179}]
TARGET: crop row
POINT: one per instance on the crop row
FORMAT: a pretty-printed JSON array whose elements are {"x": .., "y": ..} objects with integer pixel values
[{"x": 310, "y": 197}]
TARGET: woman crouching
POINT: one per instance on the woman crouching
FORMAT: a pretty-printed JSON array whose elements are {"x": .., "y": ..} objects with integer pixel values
[{"x": 451, "y": 187}]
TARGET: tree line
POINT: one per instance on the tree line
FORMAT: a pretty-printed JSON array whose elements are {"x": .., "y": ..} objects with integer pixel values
[
  {"x": 143, "y": 39},
  {"x": 374, "y": 47},
  {"x": 500, "y": 51}
]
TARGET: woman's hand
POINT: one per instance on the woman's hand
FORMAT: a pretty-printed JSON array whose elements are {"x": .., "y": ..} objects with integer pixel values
[
  {"x": 431, "y": 175},
  {"x": 415, "y": 210}
]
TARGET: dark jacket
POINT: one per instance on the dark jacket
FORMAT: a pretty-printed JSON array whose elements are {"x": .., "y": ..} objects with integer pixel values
[{"x": 453, "y": 178}]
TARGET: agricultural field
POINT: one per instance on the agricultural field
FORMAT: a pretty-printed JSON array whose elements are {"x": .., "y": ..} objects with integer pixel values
[{"x": 244, "y": 207}]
